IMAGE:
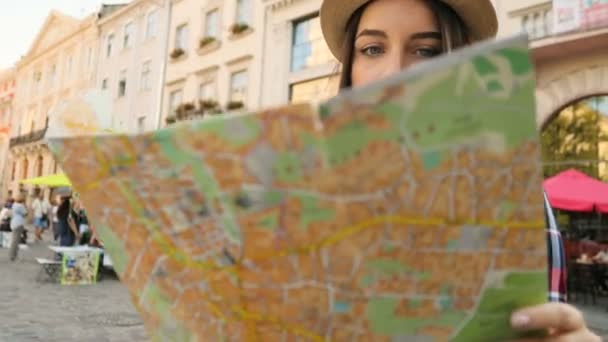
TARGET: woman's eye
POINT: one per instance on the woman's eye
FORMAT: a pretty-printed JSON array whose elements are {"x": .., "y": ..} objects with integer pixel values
[
  {"x": 372, "y": 51},
  {"x": 426, "y": 52}
]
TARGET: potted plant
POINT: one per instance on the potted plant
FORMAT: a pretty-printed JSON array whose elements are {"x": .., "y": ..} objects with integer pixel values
[
  {"x": 208, "y": 104},
  {"x": 238, "y": 28},
  {"x": 177, "y": 53},
  {"x": 182, "y": 111},
  {"x": 188, "y": 106},
  {"x": 205, "y": 41},
  {"x": 234, "y": 105},
  {"x": 170, "y": 119}
]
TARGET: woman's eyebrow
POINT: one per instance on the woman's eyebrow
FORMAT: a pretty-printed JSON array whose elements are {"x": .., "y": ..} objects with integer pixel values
[
  {"x": 373, "y": 33},
  {"x": 426, "y": 35}
]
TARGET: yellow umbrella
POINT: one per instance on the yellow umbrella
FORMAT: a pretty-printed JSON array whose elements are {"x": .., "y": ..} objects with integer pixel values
[{"x": 57, "y": 180}]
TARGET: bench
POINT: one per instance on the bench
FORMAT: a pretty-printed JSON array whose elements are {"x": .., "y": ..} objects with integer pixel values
[{"x": 50, "y": 269}]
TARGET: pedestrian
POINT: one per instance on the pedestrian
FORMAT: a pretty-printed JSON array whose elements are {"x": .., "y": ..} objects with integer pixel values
[
  {"x": 83, "y": 225},
  {"x": 54, "y": 218},
  {"x": 41, "y": 208},
  {"x": 5, "y": 216},
  {"x": 375, "y": 39},
  {"x": 68, "y": 231},
  {"x": 18, "y": 219}
]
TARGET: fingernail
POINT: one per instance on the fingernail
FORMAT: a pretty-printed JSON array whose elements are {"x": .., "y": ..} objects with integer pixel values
[{"x": 520, "y": 320}]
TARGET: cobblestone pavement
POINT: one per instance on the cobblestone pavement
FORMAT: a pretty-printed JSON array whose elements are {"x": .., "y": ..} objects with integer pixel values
[
  {"x": 597, "y": 317},
  {"x": 32, "y": 311}
]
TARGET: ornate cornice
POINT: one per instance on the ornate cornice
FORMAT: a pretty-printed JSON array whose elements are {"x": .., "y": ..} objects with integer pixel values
[{"x": 276, "y": 5}]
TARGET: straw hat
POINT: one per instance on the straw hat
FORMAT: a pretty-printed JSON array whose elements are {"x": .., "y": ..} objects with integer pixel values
[{"x": 478, "y": 15}]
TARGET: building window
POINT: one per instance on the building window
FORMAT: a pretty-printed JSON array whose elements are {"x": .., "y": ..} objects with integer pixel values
[
  {"x": 104, "y": 84},
  {"x": 141, "y": 124},
  {"x": 181, "y": 37},
  {"x": 40, "y": 166},
  {"x": 207, "y": 91},
  {"x": 537, "y": 29},
  {"x": 175, "y": 99},
  {"x": 122, "y": 84},
  {"x": 128, "y": 36},
  {"x": 212, "y": 24},
  {"x": 525, "y": 22},
  {"x": 309, "y": 49},
  {"x": 238, "y": 86},
  {"x": 25, "y": 167},
  {"x": 68, "y": 68},
  {"x": 37, "y": 81},
  {"x": 317, "y": 89},
  {"x": 14, "y": 171},
  {"x": 52, "y": 75},
  {"x": 55, "y": 168},
  {"x": 89, "y": 57},
  {"x": 151, "y": 25},
  {"x": 243, "y": 11},
  {"x": 109, "y": 45},
  {"x": 145, "y": 76}
]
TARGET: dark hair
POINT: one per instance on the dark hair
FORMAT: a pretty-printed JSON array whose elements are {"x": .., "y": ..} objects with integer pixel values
[
  {"x": 453, "y": 32},
  {"x": 64, "y": 208}
]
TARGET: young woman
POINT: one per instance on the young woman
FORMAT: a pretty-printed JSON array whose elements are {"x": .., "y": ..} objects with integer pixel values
[{"x": 374, "y": 39}]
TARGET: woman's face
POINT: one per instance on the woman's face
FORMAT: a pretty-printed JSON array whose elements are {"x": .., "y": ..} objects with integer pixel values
[{"x": 392, "y": 35}]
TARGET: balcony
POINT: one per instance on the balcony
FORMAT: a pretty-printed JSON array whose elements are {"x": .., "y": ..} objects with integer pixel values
[
  {"x": 34, "y": 136},
  {"x": 580, "y": 29}
]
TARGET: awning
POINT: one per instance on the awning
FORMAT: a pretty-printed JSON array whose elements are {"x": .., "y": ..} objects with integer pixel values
[
  {"x": 57, "y": 180},
  {"x": 573, "y": 190}
]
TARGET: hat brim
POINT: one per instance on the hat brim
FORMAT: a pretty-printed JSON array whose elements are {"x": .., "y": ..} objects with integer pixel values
[{"x": 479, "y": 17}]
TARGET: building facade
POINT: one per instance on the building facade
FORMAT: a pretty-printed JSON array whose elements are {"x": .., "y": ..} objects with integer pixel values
[
  {"x": 60, "y": 64},
  {"x": 298, "y": 66},
  {"x": 7, "y": 96},
  {"x": 569, "y": 46},
  {"x": 214, "y": 59},
  {"x": 132, "y": 51}
]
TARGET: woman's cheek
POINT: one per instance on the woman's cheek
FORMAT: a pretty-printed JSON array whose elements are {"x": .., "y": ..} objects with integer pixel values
[{"x": 366, "y": 71}]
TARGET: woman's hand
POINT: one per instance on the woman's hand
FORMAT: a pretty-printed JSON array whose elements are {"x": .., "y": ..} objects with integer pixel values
[{"x": 563, "y": 322}]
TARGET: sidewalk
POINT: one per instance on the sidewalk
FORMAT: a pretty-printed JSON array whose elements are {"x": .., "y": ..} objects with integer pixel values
[
  {"x": 31, "y": 311},
  {"x": 597, "y": 317}
]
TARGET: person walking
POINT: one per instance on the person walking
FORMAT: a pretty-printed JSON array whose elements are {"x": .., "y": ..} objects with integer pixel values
[
  {"x": 41, "y": 208},
  {"x": 18, "y": 219}
]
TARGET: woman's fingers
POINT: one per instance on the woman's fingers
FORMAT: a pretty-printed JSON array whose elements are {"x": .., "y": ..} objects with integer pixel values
[
  {"x": 560, "y": 317},
  {"x": 563, "y": 322},
  {"x": 577, "y": 336}
]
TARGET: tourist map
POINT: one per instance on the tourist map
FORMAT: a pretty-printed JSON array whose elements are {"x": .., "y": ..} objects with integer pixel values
[{"x": 408, "y": 210}]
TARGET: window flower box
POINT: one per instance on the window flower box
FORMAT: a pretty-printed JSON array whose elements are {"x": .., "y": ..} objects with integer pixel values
[
  {"x": 234, "y": 105},
  {"x": 206, "y": 41},
  {"x": 177, "y": 53},
  {"x": 238, "y": 28}
]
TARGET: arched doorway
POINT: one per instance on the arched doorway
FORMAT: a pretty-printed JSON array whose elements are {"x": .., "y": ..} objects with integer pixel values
[
  {"x": 576, "y": 136},
  {"x": 39, "y": 166},
  {"x": 24, "y": 169}
]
